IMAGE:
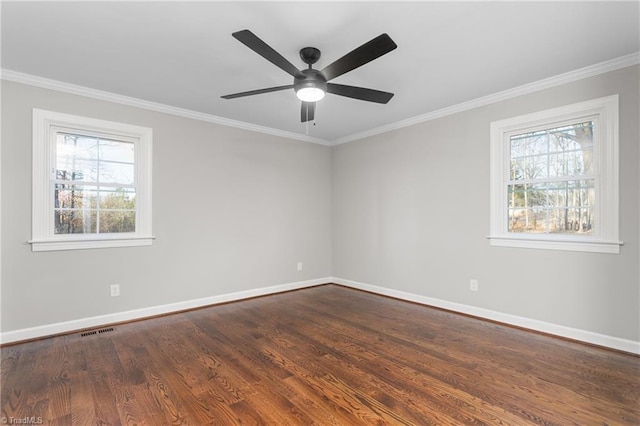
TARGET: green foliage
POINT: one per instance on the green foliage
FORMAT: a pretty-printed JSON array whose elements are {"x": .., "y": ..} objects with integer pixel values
[{"x": 80, "y": 209}]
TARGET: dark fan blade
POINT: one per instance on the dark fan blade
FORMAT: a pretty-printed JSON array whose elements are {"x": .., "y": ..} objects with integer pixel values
[
  {"x": 252, "y": 41},
  {"x": 366, "y": 53},
  {"x": 359, "y": 93},
  {"x": 308, "y": 111},
  {"x": 257, "y": 92}
]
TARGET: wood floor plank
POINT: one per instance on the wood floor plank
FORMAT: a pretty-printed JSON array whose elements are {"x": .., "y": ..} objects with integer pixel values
[
  {"x": 82, "y": 409},
  {"x": 60, "y": 384},
  {"x": 325, "y": 355},
  {"x": 105, "y": 372}
]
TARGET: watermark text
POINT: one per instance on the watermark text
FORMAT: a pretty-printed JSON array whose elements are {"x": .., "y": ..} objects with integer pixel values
[{"x": 27, "y": 420}]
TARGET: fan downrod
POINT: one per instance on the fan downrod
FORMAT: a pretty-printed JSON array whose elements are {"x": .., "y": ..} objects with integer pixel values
[{"x": 309, "y": 55}]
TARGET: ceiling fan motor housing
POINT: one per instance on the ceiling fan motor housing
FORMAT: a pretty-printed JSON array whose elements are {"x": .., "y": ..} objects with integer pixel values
[{"x": 310, "y": 78}]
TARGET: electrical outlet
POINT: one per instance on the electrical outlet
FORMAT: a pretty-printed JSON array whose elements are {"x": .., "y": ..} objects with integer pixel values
[
  {"x": 115, "y": 290},
  {"x": 299, "y": 266},
  {"x": 473, "y": 285}
]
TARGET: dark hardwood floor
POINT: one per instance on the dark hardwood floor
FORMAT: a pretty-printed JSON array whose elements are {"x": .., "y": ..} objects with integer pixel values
[{"x": 325, "y": 355}]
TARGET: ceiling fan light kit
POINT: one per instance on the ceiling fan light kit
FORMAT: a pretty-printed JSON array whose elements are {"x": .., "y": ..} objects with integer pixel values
[
  {"x": 310, "y": 94},
  {"x": 311, "y": 85}
]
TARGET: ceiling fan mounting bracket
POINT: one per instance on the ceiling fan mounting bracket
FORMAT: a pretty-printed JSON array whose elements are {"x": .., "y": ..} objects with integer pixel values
[{"x": 309, "y": 55}]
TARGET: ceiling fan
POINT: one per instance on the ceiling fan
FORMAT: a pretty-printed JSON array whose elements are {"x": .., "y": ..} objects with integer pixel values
[{"x": 310, "y": 84}]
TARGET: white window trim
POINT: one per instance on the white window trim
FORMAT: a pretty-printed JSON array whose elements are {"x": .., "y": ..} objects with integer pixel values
[
  {"x": 606, "y": 237},
  {"x": 43, "y": 237}
]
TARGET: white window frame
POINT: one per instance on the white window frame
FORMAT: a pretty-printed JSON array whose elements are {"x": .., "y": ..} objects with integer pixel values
[
  {"x": 46, "y": 124},
  {"x": 604, "y": 113}
]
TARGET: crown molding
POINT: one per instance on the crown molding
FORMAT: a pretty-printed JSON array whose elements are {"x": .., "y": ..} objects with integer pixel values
[
  {"x": 568, "y": 77},
  {"x": 46, "y": 83}
]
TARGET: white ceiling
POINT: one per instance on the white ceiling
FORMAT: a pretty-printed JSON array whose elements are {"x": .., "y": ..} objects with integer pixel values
[{"x": 182, "y": 54}]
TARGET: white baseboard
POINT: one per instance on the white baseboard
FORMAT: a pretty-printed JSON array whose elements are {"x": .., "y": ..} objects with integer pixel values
[
  {"x": 102, "y": 320},
  {"x": 545, "y": 327}
]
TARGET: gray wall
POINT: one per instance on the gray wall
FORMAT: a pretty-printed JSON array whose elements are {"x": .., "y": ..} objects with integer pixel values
[
  {"x": 407, "y": 210},
  {"x": 232, "y": 210},
  {"x": 411, "y": 213}
]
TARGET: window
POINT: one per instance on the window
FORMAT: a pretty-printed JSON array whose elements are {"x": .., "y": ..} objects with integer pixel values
[
  {"x": 91, "y": 183},
  {"x": 554, "y": 178}
]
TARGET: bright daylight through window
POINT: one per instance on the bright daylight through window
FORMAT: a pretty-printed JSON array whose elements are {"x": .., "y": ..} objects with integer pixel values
[
  {"x": 92, "y": 183},
  {"x": 555, "y": 178},
  {"x": 551, "y": 188},
  {"x": 94, "y": 189}
]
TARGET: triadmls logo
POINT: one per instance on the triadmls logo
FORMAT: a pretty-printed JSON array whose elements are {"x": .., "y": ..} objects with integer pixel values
[{"x": 28, "y": 420}]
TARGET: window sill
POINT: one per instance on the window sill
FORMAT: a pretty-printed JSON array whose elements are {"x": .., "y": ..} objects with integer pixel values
[
  {"x": 531, "y": 242},
  {"x": 88, "y": 243}
]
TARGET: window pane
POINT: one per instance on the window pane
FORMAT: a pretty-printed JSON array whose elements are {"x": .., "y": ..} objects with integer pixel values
[
  {"x": 536, "y": 196},
  {"x": 117, "y": 198},
  {"x": 71, "y": 168},
  {"x": 571, "y": 221},
  {"x": 555, "y": 207},
  {"x": 517, "y": 169},
  {"x": 516, "y": 196},
  {"x": 571, "y": 137},
  {"x": 537, "y": 167},
  {"x": 528, "y": 220},
  {"x": 556, "y": 152},
  {"x": 116, "y": 173},
  {"x": 76, "y": 146},
  {"x": 528, "y": 195},
  {"x": 75, "y": 196},
  {"x": 517, "y": 147},
  {"x": 580, "y": 193},
  {"x": 117, "y": 221},
  {"x": 75, "y": 221},
  {"x": 90, "y": 159},
  {"x": 571, "y": 163},
  {"x": 557, "y": 220},
  {"x": 111, "y": 150},
  {"x": 531, "y": 143},
  {"x": 76, "y": 157}
]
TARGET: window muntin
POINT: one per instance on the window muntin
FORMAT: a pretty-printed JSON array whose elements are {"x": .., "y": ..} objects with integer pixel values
[{"x": 91, "y": 183}]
